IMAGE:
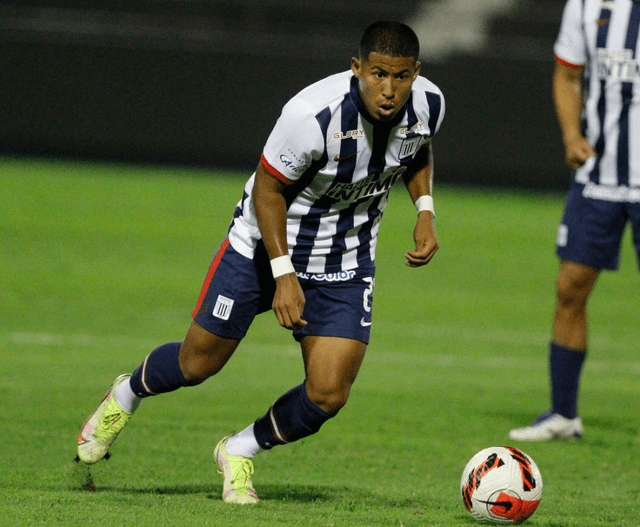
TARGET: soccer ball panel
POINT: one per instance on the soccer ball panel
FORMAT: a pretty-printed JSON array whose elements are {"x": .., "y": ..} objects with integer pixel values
[{"x": 501, "y": 485}]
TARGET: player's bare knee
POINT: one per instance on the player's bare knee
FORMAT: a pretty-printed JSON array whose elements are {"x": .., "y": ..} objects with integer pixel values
[
  {"x": 203, "y": 354},
  {"x": 571, "y": 294},
  {"x": 195, "y": 374},
  {"x": 198, "y": 366},
  {"x": 330, "y": 400}
]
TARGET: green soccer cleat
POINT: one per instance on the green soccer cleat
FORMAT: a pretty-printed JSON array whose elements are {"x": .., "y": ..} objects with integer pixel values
[
  {"x": 237, "y": 470},
  {"x": 102, "y": 427}
]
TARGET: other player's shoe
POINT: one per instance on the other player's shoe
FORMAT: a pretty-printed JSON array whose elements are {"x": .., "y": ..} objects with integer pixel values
[
  {"x": 237, "y": 470},
  {"x": 548, "y": 426},
  {"x": 102, "y": 427}
]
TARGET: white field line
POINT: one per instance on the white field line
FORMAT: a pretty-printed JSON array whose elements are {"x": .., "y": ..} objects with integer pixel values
[{"x": 376, "y": 353}]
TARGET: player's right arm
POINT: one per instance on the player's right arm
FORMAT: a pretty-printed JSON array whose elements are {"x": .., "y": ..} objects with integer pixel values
[
  {"x": 567, "y": 98},
  {"x": 271, "y": 213},
  {"x": 290, "y": 148}
]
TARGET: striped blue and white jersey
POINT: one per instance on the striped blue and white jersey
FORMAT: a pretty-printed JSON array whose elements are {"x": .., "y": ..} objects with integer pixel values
[
  {"x": 603, "y": 36},
  {"x": 339, "y": 165}
]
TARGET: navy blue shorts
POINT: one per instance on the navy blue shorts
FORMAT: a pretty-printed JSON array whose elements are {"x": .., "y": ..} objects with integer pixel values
[
  {"x": 591, "y": 229},
  {"x": 237, "y": 289}
]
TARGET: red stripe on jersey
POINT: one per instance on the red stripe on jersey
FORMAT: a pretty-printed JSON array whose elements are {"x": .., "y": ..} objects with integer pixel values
[
  {"x": 210, "y": 273},
  {"x": 568, "y": 64},
  {"x": 274, "y": 172}
]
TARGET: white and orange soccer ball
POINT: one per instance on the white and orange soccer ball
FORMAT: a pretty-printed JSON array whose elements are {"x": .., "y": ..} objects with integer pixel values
[{"x": 501, "y": 485}]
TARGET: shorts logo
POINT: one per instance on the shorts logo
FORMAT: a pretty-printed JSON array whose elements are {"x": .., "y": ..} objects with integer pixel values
[{"x": 223, "y": 307}]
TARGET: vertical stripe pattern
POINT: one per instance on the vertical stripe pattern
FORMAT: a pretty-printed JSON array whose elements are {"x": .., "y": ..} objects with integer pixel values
[
  {"x": 342, "y": 165},
  {"x": 607, "y": 33}
]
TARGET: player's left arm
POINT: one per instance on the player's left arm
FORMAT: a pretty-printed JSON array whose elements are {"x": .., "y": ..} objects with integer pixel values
[{"x": 419, "y": 182}]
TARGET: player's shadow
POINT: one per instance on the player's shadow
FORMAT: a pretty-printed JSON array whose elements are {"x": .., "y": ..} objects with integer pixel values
[
  {"x": 85, "y": 478},
  {"x": 297, "y": 493},
  {"x": 82, "y": 480}
]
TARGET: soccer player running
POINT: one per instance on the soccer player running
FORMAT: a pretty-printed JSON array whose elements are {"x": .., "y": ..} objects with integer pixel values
[
  {"x": 597, "y": 50},
  {"x": 302, "y": 242}
]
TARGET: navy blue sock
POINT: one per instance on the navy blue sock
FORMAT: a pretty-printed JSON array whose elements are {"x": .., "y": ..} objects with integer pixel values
[
  {"x": 292, "y": 417},
  {"x": 159, "y": 373},
  {"x": 565, "y": 366}
]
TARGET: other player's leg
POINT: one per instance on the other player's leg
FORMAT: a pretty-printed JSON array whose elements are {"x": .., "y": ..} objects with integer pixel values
[{"x": 566, "y": 357}]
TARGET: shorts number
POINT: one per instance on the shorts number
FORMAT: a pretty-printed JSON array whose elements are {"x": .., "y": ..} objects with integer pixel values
[{"x": 366, "y": 300}]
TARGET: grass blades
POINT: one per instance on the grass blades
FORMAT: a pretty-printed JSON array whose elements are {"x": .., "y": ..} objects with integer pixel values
[{"x": 101, "y": 263}]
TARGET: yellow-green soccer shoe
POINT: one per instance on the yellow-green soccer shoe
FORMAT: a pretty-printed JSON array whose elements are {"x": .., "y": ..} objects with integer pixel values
[
  {"x": 102, "y": 427},
  {"x": 237, "y": 470}
]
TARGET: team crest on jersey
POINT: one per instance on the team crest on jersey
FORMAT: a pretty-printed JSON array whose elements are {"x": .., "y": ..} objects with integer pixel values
[
  {"x": 411, "y": 145},
  {"x": 290, "y": 166}
]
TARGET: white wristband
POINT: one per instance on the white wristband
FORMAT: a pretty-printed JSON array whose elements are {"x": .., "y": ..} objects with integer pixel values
[
  {"x": 425, "y": 203},
  {"x": 281, "y": 265}
]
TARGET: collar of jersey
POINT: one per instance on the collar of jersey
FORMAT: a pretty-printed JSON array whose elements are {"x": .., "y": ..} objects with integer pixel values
[{"x": 354, "y": 95}]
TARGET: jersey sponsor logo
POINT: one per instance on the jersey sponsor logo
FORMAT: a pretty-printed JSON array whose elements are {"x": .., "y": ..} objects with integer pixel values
[
  {"x": 410, "y": 146},
  {"x": 290, "y": 166},
  {"x": 370, "y": 186},
  {"x": 342, "y": 276},
  {"x": 415, "y": 128},
  {"x": 351, "y": 134},
  {"x": 617, "y": 64},
  {"x": 223, "y": 307}
]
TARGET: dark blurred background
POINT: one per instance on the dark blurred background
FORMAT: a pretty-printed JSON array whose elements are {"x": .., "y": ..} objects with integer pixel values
[{"x": 201, "y": 82}]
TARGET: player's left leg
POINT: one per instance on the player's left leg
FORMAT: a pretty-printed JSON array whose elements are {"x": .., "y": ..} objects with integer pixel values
[
  {"x": 338, "y": 312},
  {"x": 331, "y": 366}
]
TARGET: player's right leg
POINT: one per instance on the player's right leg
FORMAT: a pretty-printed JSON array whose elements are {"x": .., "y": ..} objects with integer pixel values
[
  {"x": 167, "y": 368},
  {"x": 102, "y": 427},
  {"x": 212, "y": 338}
]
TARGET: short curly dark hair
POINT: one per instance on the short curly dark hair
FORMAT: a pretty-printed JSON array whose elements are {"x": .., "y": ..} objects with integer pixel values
[{"x": 391, "y": 38}]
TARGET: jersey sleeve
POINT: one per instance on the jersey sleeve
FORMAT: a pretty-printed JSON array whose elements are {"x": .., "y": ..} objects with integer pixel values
[
  {"x": 294, "y": 143},
  {"x": 439, "y": 114},
  {"x": 570, "y": 47},
  {"x": 429, "y": 103}
]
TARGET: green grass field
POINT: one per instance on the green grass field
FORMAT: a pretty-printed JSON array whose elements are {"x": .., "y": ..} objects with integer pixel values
[{"x": 99, "y": 264}]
